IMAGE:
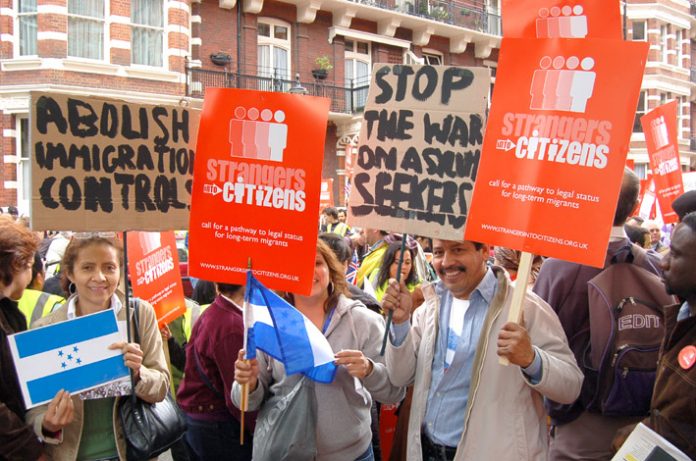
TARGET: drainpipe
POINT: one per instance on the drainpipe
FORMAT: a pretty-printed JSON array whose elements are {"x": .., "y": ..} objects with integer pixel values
[{"x": 239, "y": 36}]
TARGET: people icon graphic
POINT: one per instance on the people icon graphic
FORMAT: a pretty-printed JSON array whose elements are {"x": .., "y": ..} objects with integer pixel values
[
  {"x": 258, "y": 134},
  {"x": 561, "y": 22},
  {"x": 558, "y": 84},
  {"x": 658, "y": 127}
]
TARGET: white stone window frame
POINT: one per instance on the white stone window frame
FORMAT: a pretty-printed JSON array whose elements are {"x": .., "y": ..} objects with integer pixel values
[
  {"x": 428, "y": 54},
  {"x": 273, "y": 42}
]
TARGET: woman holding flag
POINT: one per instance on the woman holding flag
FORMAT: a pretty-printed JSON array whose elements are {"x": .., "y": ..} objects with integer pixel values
[
  {"x": 92, "y": 267},
  {"x": 342, "y": 405}
]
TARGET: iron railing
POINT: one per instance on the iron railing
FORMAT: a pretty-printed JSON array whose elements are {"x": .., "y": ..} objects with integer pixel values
[
  {"x": 460, "y": 13},
  {"x": 346, "y": 99}
]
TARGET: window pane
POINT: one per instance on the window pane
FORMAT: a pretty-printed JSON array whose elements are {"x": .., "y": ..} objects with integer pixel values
[
  {"x": 432, "y": 59},
  {"x": 24, "y": 152},
  {"x": 638, "y": 30},
  {"x": 85, "y": 38},
  {"x": 93, "y": 8},
  {"x": 264, "y": 30},
  {"x": 27, "y": 35},
  {"x": 27, "y": 6},
  {"x": 146, "y": 46},
  {"x": 348, "y": 71},
  {"x": 281, "y": 32},
  {"x": 280, "y": 62},
  {"x": 349, "y": 45},
  {"x": 363, "y": 47},
  {"x": 147, "y": 12},
  {"x": 264, "y": 60}
]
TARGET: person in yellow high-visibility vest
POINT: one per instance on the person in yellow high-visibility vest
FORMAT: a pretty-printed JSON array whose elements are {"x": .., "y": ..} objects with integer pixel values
[
  {"x": 373, "y": 259},
  {"x": 331, "y": 223},
  {"x": 35, "y": 303}
]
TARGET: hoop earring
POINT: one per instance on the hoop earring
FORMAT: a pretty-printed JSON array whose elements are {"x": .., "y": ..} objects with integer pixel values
[{"x": 72, "y": 288}]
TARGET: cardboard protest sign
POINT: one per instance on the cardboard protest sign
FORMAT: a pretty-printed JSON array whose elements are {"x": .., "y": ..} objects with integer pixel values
[
  {"x": 419, "y": 149},
  {"x": 73, "y": 355},
  {"x": 104, "y": 164},
  {"x": 153, "y": 265},
  {"x": 559, "y": 19},
  {"x": 660, "y": 129},
  {"x": 555, "y": 146},
  {"x": 256, "y": 188}
]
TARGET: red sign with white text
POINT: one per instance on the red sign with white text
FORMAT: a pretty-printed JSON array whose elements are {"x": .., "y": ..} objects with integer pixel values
[
  {"x": 327, "y": 195},
  {"x": 257, "y": 179},
  {"x": 153, "y": 264},
  {"x": 555, "y": 146},
  {"x": 660, "y": 128},
  {"x": 561, "y": 19}
]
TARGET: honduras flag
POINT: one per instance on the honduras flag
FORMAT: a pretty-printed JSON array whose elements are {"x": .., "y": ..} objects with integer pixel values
[
  {"x": 281, "y": 331},
  {"x": 71, "y": 355}
]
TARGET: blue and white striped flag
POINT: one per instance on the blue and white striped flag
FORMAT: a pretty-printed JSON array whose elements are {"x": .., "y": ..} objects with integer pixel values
[
  {"x": 71, "y": 355},
  {"x": 281, "y": 331}
]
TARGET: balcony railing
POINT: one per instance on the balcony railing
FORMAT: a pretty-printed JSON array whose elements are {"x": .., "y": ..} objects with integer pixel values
[
  {"x": 348, "y": 99},
  {"x": 460, "y": 13}
]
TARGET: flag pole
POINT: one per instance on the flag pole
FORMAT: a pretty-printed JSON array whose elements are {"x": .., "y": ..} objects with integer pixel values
[
  {"x": 245, "y": 387},
  {"x": 390, "y": 314}
]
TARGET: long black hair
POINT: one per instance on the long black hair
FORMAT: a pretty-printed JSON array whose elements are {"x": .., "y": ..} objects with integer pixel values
[{"x": 391, "y": 255}]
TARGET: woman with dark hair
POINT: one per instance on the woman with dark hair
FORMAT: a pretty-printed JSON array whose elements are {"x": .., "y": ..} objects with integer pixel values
[
  {"x": 390, "y": 266},
  {"x": 91, "y": 271},
  {"x": 17, "y": 439},
  {"x": 355, "y": 334}
]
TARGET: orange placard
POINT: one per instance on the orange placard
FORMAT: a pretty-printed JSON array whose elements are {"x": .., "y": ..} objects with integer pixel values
[
  {"x": 648, "y": 201},
  {"x": 257, "y": 180},
  {"x": 660, "y": 128},
  {"x": 327, "y": 195},
  {"x": 556, "y": 145},
  {"x": 153, "y": 264},
  {"x": 561, "y": 19}
]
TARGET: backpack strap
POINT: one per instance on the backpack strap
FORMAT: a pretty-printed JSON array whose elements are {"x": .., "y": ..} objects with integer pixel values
[{"x": 203, "y": 376}]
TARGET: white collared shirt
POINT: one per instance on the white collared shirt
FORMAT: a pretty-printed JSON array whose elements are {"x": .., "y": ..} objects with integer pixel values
[{"x": 72, "y": 306}]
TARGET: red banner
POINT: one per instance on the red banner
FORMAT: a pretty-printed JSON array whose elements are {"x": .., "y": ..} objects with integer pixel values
[
  {"x": 153, "y": 264},
  {"x": 559, "y": 19},
  {"x": 660, "y": 128},
  {"x": 327, "y": 195},
  {"x": 555, "y": 146},
  {"x": 257, "y": 180}
]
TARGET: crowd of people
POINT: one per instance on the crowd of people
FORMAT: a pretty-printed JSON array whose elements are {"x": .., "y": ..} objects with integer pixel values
[{"x": 448, "y": 304}]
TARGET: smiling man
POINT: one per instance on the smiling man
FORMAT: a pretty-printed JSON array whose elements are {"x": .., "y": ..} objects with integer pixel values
[{"x": 466, "y": 405}]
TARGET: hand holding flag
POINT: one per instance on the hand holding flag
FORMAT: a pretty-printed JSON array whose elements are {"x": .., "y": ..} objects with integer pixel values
[
  {"x": 246, "y": 372},
  {"x": 281, "y": 331}
]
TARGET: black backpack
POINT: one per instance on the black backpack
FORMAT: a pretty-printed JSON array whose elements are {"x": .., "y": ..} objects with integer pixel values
[{"x": 626, "y": 331}]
